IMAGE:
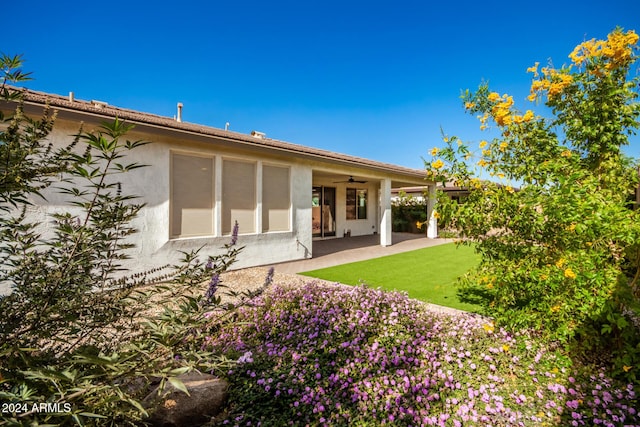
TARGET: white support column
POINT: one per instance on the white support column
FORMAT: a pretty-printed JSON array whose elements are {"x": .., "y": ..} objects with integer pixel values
[
  {"x": 218, "y": 194},
  {"x": 385, "y": 209},
  {"x": 432, "y": 227},
  {"x": 258, "y": 220}
]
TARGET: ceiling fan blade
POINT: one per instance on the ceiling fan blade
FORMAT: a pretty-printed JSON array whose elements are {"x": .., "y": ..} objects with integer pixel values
[{"x": 350, "y": 181}]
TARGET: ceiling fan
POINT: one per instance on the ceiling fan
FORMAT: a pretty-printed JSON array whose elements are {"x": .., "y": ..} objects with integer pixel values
[{"x": 350, "y": 181}]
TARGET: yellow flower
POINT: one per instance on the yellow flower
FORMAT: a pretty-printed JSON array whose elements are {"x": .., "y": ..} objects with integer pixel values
[
  {"x": 488, "y": 327},
  {"x": 569, "y": 274},
  {"x": 434, "y": 151},
  {"x": 543, "y": 277},
  {"x": 469, "y": 105},
  {"x": 532, "y": 97},
  {"x": 445, "y": 139},
  {"x": 533, "y": 69},
  {"x": 626, "y": 368},
  {"x": 503, "y": 146},
  {"x": 437, "y": 164},
  {"x": 528, "y": 116},
  {"x": 501, "y": 175},
  {"x": 483, "y": 144},
  {"x": 509, "y": 189},
  {"x": 419, "y": 224},
  {"x": 555, "y": 308},
  {"x": 505, "y": 348},
  {"x": 560, "y": 262},
  {"x": 571, "y": 227},
  {"x": 489, "y": 285},
  {"x": 436, "y": 215},
  {"x": 614, "y": 52},
  {"x": 493, "y": 96},
  {"x": 482, "y": 163},
  {"x": 566, "y": 153},
  {"x": 483, "y": 127}
]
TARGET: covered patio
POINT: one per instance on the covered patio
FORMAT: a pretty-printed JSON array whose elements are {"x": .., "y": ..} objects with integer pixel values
[{"x": 349, "y": 202}]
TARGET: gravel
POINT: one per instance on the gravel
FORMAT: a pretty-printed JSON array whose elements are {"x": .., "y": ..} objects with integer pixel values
[{"x": 250, "y": 279}]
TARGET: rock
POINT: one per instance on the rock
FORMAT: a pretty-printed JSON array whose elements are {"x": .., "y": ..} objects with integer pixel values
[{"x": 173, "y": 408}]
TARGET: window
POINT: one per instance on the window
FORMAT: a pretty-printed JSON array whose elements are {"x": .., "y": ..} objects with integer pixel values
[
  {"x": 276, "y": 200},
  {"x": 356, "y": 204},
  {"x": 238, "y": 196},
  {"x": 192, "y": 196}
]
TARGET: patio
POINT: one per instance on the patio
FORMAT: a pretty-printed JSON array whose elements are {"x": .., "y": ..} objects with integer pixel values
[{"x": 330, "y": 252}]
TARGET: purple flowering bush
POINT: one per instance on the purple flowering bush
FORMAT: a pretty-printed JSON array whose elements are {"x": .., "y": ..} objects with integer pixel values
[{"x": 337, "y": 355}]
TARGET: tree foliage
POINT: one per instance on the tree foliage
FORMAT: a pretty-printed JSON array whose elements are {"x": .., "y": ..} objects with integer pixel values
[
  {"x": 75, "y": 330},
  {"x": 409, "y": 213},
  {"x": 556, "y": 224}
]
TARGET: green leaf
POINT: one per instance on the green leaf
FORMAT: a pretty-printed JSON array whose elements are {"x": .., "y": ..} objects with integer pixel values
[
  {"x": 91, "y": 415},
  {"x": 180, "y": 371},
  {"x": 178, "y": 385}
]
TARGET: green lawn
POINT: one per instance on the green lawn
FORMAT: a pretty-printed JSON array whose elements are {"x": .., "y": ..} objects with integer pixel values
[{"x": 427, "y": 274}]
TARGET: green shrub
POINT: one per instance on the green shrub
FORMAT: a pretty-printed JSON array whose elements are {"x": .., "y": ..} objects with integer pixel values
[
  {"x": 332, "y": 355},
  {"x": 561, "y": 253},
  {"x": 75, "y": 332},
  {"x": 408, "y": 213}
]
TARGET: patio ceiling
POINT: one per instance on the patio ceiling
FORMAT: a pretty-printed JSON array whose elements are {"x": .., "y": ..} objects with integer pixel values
[{"x": 396, "y": 181}]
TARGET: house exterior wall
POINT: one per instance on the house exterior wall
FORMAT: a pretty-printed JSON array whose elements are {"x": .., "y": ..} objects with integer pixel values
[{"x": 154, "y": 247}]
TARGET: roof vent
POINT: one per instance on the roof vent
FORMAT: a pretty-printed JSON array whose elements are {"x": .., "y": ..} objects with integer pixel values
[
  {"x": 257, "y": 134},
  {"x": 98, "y": 104},
  {"x": 71, "y": 97},
  {"x": 179, "y": 119}
]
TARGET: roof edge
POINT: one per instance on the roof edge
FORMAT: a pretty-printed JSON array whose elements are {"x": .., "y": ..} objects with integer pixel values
[{"x": 109, "y": 111}]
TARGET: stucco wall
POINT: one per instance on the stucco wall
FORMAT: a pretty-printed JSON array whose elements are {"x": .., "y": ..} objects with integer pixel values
[{"x": 153, "y": 246}]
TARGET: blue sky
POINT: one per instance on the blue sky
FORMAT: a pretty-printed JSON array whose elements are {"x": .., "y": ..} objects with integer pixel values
[{"x": 372, "y": 79}]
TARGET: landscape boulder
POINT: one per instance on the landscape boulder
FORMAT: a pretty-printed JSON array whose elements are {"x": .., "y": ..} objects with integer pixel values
[{"x": 174, "y": 408}]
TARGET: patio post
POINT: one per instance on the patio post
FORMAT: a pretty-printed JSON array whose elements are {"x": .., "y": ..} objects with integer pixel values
[
  {"x": 385, "y": 208},
  {"x": 432, "y": 227}
]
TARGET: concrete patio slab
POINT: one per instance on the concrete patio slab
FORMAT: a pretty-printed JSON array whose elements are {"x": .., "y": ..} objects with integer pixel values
[{"x": 331, "y": 252}]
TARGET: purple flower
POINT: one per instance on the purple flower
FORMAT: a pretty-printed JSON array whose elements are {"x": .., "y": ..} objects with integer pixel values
[
  {"x": 360, "y": 350},
  {"x": 269, "y": 279},
  {"x": 573, "y": 404},
  {"x": 213, "y": 287},
  {"x": 246, "y": 358},
  {"x": 234, "y": 234}
]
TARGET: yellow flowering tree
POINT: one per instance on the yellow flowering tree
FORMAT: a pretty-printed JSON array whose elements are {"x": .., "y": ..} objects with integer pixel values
[{"x": 556, "y": 224}]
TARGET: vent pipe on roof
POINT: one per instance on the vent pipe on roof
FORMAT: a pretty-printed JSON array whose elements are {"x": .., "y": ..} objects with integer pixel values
[
  {"x": 257, "y": 134},
  {"x": 71, "y": 97},
  {"x": 98, "y": 104},
  {"x": 226, "y": 126},
  {"x": 179, "y": 119}
]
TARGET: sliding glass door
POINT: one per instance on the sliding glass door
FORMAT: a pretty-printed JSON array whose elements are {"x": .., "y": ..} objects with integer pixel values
[{"x": 323, "y": 206}]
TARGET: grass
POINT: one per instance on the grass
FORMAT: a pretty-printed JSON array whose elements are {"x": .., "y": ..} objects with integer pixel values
[{"x": 428, "y": 274}]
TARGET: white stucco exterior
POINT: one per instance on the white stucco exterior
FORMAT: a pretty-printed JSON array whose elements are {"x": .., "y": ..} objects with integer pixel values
[{"x": 307, "y": 168}]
